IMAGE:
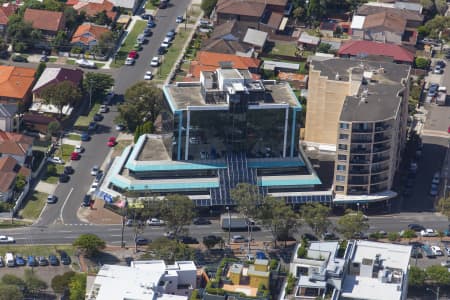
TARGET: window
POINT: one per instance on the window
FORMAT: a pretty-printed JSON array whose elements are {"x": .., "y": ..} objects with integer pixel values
[
  {"x": 339, "y": 188},
  {"x": 301, "y": 271},
  {"x": 342, "y": 157},
  {"x": 343, "y": 136},
  {"x": 340, "y": 178},
  {"x": 342, "y": 147},
  {"x": 344, "y": 125},
  {"x": 341, "y": 167}
]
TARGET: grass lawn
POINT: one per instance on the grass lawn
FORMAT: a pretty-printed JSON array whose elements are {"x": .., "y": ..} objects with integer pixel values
[
  {"x": 64, "y": 152},
  {"x": 52, "y": 59},
  {"x": 152, "y": 4},
  {"x": 37, "y": 250},
  {"x": 99, "y": 65},
  {"x": 172, "y": 54},
  {"x": 7, "y": 224},
  {"x": 83, "y": 121},
  {"x": 53, "y": 179},
  {"x": 281, "y": 48},
  {"x": 129, "y": 42},
  {"x": 70, "y": 61},
  {"x": 74, "y": 137},
  {"x": 34, "y": 205},
  {"x": 120, "y": 146}
]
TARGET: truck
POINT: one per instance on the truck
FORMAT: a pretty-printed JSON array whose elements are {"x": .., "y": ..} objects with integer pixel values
[{"x": 234, "y": 222}]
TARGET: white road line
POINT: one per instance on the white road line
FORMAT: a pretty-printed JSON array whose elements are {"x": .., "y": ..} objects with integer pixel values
[
  {"x": 115, "y": 242},
  {"x": 115, "y": 235},
  {"x": 62, "y": 208},
  {"x": 65, "y": 231}
]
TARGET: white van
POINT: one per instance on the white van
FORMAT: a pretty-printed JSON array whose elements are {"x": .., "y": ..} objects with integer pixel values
[
  {"x": 140, "y": 39},
  {"x": 9, "y": 260}
]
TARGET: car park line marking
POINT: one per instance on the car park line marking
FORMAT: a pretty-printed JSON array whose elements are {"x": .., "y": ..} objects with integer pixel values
[{"x": 64, "y": 204}]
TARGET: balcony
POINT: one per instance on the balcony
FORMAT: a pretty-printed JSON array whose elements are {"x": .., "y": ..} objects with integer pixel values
[
  {"x": 380, "y": 158},
  {"x": 359, "y": 150},
  {"x": 358, "y": 171},
  {"x": 378, "y": 189},
  {"x": 376, "y": 170},
  {"x": 378, "y": 179},
  {"x": 361, "y": 130},
  {"x": 358, "y": 181},
  {"x": 381, "y": 138},
  {"x": 381, "y": 148},
  {"x": 361, "y": 141},
  {"x": 383, "y": 127},
  {"x": 357, "y": 191}
]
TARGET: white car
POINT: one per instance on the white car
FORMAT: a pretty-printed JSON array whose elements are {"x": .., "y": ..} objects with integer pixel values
[
  {"x": 129, "y": 61},
  {"x": 94, "y": 170},
  {"x": 155, "y": 61},
  {"x": 120, "y": 127},
  {"x": 179, "y": 19},
  {"x": 56, "y": 160},
  {"x": 94, "y": 187},
  {"x": 238, "y": 239},
  {"x": 165, "y": 45},
  {"x": 79, "y": 149},
  {"x": 148, "y": 75},
  {"x": 103, "y": 109},
  {"x": 167, "y": 40},
  {"x": 155, "y": 222},
  {"x": 437, "y": 251},
  {"x": 6, "y": 239},
  {"x": 84, "y": 63},
  {"x": 429, "y": 232}
]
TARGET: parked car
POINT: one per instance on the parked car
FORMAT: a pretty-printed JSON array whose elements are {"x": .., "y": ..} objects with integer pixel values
[
  {"x": 201, "y": 221},
  {"x": 54, "y": 261},
  {"x": 94, "y": 170},
  {"x": 165, "y": 45},
  {"x": 260, "y": 255},
  {"x": 161, "y": 50},
  {"x": 133, "y": 54},
  {"x": 434, "y": 190},
  {"x": 429, "y": 232},
  {"x": 438, "y": 70},
  {"x": 65, "y": 258},
  {"x": 111, "y": 141},
  {"x": 171, "y": 33},
  {"x": 155, "y": 61},
  {"x": 151, "y": 24},
  {"x": 94, "y": 187},
  {"x": 238, "y": 239},
  {"x": 56, "y": 160},
  {"x": 44, "y": 58},
  {"x": 169, "y": 234},
  {"x": 147, "y": 32},
  {"x": 79, "y": 149},
  {"x": 179, "y": 19},
  {"x": 437, "y": 250},
  {"x": 213, "y": 238},
  {"x": 148, "y": 75},
  {"x": 137, "y": 47},
  {"x": 155, "y": 222},
  {"x": 51, "y": 199},
  {"x": 432, "y": 91},
  {"x": 167, "y": 40},
  {"x": 103, "y": 109},
  {"x": 68, "y": 170},
  {"x": 75, "y": 156},
  {"x": 20, "y": 261},
  {"x": 31, "y": 261},
  {"x": 92, "y": 126},
  {"x": 98, "y": 117},
  {"x": 140, "y": 241},
  {"x": 146, "y": 16},
  {"x": 43, "y": 261},
  {"x": 99, "y": 176},
  {"x": 440, "y": 63},
  {"x": 63, "y": 178},
  {"x": 163, "y": 4},
  {"x": 85, "y": 136},
  {"x": 84, "y": 63},
  {"x": 120, "y": 127},
  {"x": 188, "y": 240},
  {"x": 129, "y": 61},
  {"x": 447, "y": 250},
  {"x": 436, "y": 178},
  {"x": 19, "y": 58},
  {"x": 86, "y": 201},
  {"x": 416, "y": 227}
]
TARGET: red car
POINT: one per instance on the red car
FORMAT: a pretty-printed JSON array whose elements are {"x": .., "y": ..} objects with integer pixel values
[
  {"x": 112, "y": 141},
  {"x": 133, "y": 54},
  {"x": 448, "y": 130},
  {"x": 75, "y": 156}
]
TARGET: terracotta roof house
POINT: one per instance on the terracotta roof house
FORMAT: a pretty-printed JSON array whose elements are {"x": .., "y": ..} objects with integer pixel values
[
  {"x": 6, "y": 10},
  {"x": 49, "y": 22},
  {"x": 16, "y": 84},
  {"x": 209, "y": 61},
  {"x": 126, "y": 4},
  {"x": 390, "y": 52},
  {"x": 96, "y": 6},
  {"x": 87, "y": 35},
  {"x": 16, "y": 145},
  {"x": 9, "y": 169}
]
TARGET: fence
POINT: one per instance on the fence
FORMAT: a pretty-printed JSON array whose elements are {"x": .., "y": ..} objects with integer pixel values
[{"x": 22, "y": 196}]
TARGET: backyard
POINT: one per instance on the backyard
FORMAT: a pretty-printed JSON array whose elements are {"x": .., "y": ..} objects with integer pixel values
[
  {"x": 128, "y": 44},
  {"x": 33, "y": 206}
]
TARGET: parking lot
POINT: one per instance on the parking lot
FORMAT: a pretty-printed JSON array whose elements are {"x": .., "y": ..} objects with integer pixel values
[{"x": 425, "y": 262}]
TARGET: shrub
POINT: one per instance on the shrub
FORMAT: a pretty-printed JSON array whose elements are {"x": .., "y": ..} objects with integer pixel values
[
  {"x": 51, "y": 170},
  {"x": 393, "y": 236},
  {"x": 61, "y": 282},
  {"x": 422, "y": 63},
  {"x": 273, "y": 264},
  {"x": 194, "y": 295},
  {"x": 301, "y": 252},
  {"x": 409, "y": 234},
  {"x": 342, "y": 248},
  {"x": 290, "y": 284}
]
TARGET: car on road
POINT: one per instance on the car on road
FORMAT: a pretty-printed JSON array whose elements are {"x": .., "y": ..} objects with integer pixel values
[
  {"x": 43, "y": 261},
  {"x": 97, "y": 117},
  {"x": 85, "y": 136},
  {"x": 56, "y": 160},
  {"x": 189, "y": 240},
  {"x": 99, "y": 176},
  {"x": 416, "y": 227},
  {"x": 51, "y": 199},
  {"x": 68, "y": 170},
  {"x": 79, "y": 149},
  {"x": 148, "y": 75},
  {"x": 137, "y": 47},
  {"x": 167, "y": 40},
  {"x": 155, "y": 222},
  {"x": 169, "y": 234},
  {"x": 171, "y": 33},
  {"x": 86, "y": 201},
  {"x": 94, "y": 187},
  {"x": 151, "y": 23},
  {"x": 161, "y": 50},
  {"x": 19, "y": 58},
  {"x": 440, "y": 63},
  {"x": 65, "y": 258},
  {"x": 103, "y": 109},
  {"x": 438, "y": 70},
  {"x": 238, "y": 239},
  {"x": 145, "y": 16},
  {"x": 129, "y": 222},
  {"x": 429, "y": 233},
  {"x": 31, "y": 261},
  {"x": 211, "y": 238},
  {"x": 112, "y": 141},
  {"x": 84, "y": 63},
  {"x": 120, "y": 127},
  {"x": 179, "y": 19},
  {"x": 163, "y": 4},
  {"x": 155, "y": 61},
  {"x": 165, "y": 45},
  {"x": 92, "y": 126},
  {"x": 94, "y": 170},
  {"x": 432, "y": 91},
  {"x": 20, "y": 261},
  {"x": 201, "y": 221},
  {"x": 133, "y": 54},
  {"x": 54, "y": 261},
  {"x": 129, "y": 61},
  {"x": 75, "y": 156},
  {"x": 140, "y": 241},
  {"x": 6, "y": 239},
  {"x": 434, "y": 190},
  {"x": 63, "y": 178},
  {"x": 147, "y": 32},
  {"x": 437, "y": 250}
]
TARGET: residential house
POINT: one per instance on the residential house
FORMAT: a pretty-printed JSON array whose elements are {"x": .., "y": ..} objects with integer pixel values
[
  {"x": 144, "y": 280},
  {"x": 413, "y": 18},
  {"x": 9, "y": 119},
  {"x": 87, "y": 35},
  {"x": 327, "y": 28},
  {"x": 18, "y": 146},
  {"x": 53, "y": 76},
  {"x": 375, "y": 50},
  {"x": 93, "y": 7},
  {"x": 209, "y": 61},
  {"x": 10, "y": 168},
  {"x": 365, "y": 270},
  {"x": 6, "y": 10},
  {"x": 48, "y": 22},
  {"x": 16, "y": 84},
  {"x": 37, "y": 122},
  {"x": 256, "y": 38},
  {"x": 308, "y": 42},
  {"x": 247, "y": 279},
  {"x": 131, "y": 5}
]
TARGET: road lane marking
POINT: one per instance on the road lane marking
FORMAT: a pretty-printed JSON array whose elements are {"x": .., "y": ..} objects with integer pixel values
[
  {"x": 65, "y": 231},
  {"x": 64, "y": 204},
  {"x": 115, "y": 235}
]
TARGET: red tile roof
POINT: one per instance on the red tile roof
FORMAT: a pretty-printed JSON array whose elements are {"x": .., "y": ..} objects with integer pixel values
[
  {"x": 45, "y": 19},
  {"x": 93, "y": 8},
  {"x": 15, "y": 82},
  {"x": 87, "y": 33},
  {"x": 210, "y": 61},
  {"x": 9, "y": 169},
  {"x": 14, "y": 143},
  {"x": 6, "y": 10},
  {"x": 397, "y": 53}
]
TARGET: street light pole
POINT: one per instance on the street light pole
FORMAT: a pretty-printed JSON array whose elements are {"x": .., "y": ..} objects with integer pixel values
[{"x": 436, "y": 292}]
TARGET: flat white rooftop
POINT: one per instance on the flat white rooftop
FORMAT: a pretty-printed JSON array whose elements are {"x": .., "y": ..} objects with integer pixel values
[{"x": 393, "y": 255}]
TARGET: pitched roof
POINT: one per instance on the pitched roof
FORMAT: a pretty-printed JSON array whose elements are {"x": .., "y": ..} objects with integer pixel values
[
  {"x": 87, "y": 33},
  {"x": 209, "y": 61},
  {"x": 45, "y": 19},
  {"x": 255, "y": 37},
  {"x": 15, "y": 82},
  {"x": 305, "y": 38},
  {"x": 389, "y": 21},
  {"x": 14, "y": 143},
  {"x": 7, "y": 10},
  {"x": 274, "y": 20},
  {"x": 56, "y": 75},
  {"x": 225, "y": 47},
  {"x": 228, "y": 28},
  {"x": 397, "y": 52},
  {"x": 9, "y": 168},
  {"x": 409, "y": 15},
  {"x": 242, "y": 8},
  {"x": 94, "y": 7}
]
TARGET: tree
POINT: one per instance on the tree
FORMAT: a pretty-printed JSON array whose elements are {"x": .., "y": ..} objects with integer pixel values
[
  {"x": 168, "y": 250},
  {"x": 177, "y": 211},
  {"x": 416, "y": 277},
  {"x": 316, "y": 216},
  {"x": 106, "y": 42},
  {"x": 61, "y": 282},
  {"x": 315, "y": 10},
  {"x": 208, "y": 6},
  {"x": 211, "y": 241},
  {"x": 441, "y": 6},
  {"x": 247, "y": 199},
  {"x": 20, "y": 183},
  {"x": 427, "y": 4},
  {"x": 98, "y": 84},
  {"x": 323, "y": 47},
  {"x": 10, "y": 292},
  {"x": 279, "y": 218},
  {"x": 437, "y": 275},
  {"x": 144, "y": 102},
  {"x": 77, "y": 286},
  {"x": 409, "y": 234},
  {"x": 73, "y": 19},
  {"x": 393, "y": 236},
  {"x": 60, "y": 94},
  {"x": 89, "y": 243},
  {"x": 298, "y": 13},
  {"x": 352, "y": 223},
  {"x": 53, "y": 128},
  {"x": 40, "y": 69},
  {"x": 421, "y": 63},
  {"x": 60, "y": 40},
  {"x": 444, "y": 206},
  {"x": 33, "y": 283},
  {"x": 101, "y": 18},
  {"x": 19, "y": 33},
  {"x": 13, "y": 280},
  {"x": 3, "y": 45}
]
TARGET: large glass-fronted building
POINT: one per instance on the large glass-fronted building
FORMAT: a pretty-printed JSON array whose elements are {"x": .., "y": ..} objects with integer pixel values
[{"x": 226, "y": 129}]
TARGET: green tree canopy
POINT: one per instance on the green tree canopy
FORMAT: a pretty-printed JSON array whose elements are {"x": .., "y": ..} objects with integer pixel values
[
  {"x": 168, "y": 250},
  {"x": 33, "y": 283},
  {"x": 77, "y": 286},
  {"x": 20, "y": 33},
  {"x": 144, "y": 102},
  {"x": 177, "y": 211},
  {"x": 20, "y": 183},
  {"x": 98, "y": 83},
  {"x": 208, "y": 6},
  {"x": 324, "y": 47},
  {"x": 61, "y": 282},
  {"x": 437, "y": 275},
  {"x": 422, "y": 63},
  {"x": 13, "y": 280},
  {"x": 416, "y": 277},
  {"x": 40, "y": 69},
  {"x": 247, "y": 199},
  {"x": 89, "y": 243},
  {"x": 10, "y": 292},
  {"x": 61, "y": 94},
  {"x": 316, "y": 216},
  {"x": 351, "y": 224},
  {"x": 106, "y": 42}
]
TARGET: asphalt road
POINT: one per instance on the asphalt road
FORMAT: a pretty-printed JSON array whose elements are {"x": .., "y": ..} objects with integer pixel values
[{"x": 71, "y": 194}]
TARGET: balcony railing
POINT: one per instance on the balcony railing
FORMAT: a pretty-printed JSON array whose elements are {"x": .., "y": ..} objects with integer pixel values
[
  {"x": 357, "y": 171},
  {"x": 380, "y": 148},
  {"x": 359, "y": 150},
  {"x": 380, "y": 158},
  {"x": 361, "y": 141},
  {"x": 378, "y": 179},
  {"x": 358, "y": 181},
  {"x": 360, "y": 161},
  {"x": 382, "y": 128},
  {"x": 382, "y": 138},
  {"x": 379, "y": 169},
  {"x": 357, "y": 191},
  {"x": 361, "y": 130}
]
